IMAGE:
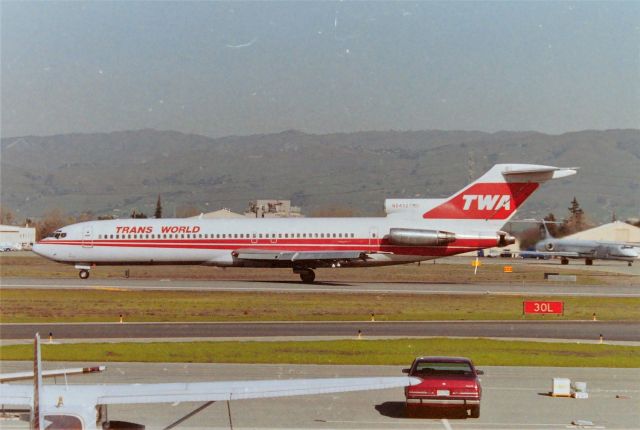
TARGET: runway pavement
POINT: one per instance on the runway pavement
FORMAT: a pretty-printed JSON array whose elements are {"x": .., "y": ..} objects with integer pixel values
[
  {"x": 554, "y": 289},
  {"x": 514, "y": 398},
  {"x": 573, "y": 330}
]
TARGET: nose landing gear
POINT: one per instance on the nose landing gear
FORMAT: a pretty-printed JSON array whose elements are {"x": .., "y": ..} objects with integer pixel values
[{"x": 84, "y": 270}]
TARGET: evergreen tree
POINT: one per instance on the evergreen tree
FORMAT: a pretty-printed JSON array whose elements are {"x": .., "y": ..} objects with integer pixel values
[
  {"x": 158, "y": 213},
  {"x": 576, "y": 221}
]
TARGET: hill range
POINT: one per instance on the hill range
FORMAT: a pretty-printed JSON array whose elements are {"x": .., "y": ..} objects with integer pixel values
[{"x": 114, "y": 173}]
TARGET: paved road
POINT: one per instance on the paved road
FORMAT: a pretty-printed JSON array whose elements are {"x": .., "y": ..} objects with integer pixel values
[
  {"x": 583, "y": 330},
  {"x": 620, "y": 290},
  {"x": 514, "y": 398}
]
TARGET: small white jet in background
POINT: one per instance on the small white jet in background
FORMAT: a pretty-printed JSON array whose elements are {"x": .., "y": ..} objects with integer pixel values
[{"x": 590, "y": 250}]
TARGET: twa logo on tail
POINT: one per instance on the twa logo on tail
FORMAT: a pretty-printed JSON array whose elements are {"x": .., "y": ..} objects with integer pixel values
[
  {"x": 490, "y": 202},
  {"x": 497, "y": 201}
]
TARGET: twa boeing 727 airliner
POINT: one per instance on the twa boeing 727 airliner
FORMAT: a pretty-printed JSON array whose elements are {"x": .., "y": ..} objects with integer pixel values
[{"x": 413, "y": 230}]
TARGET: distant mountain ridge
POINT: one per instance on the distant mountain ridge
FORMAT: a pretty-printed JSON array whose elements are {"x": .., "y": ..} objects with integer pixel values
[{"x": 126, "y": 170}]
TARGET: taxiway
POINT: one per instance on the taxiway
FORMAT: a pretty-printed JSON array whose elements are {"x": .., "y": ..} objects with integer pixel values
[{"x": 514, "y": 398}]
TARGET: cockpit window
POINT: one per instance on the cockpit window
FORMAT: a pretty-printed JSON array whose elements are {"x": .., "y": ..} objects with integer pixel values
[{"x": 58, "y": 234}]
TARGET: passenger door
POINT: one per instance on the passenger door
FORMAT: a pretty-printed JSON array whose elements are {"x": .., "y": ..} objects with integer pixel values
[{"x": 87, "y": 237}]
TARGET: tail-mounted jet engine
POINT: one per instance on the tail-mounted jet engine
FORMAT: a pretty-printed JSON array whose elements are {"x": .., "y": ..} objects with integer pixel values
[
  {"x": 414, "y": 237},
  {"x": 505, "y": 239}
]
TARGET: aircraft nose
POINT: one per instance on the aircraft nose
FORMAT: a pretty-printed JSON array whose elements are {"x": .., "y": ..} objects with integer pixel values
[
  {"x": 41, "y": 250},
  {"x": 37, "y": 248}
]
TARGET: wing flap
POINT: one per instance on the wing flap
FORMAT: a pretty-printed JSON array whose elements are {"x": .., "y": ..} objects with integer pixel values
[{"x": 293, "y": 256}]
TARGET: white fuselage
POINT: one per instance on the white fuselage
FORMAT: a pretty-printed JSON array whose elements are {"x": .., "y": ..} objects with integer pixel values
[{"x": 212, "y": 242}]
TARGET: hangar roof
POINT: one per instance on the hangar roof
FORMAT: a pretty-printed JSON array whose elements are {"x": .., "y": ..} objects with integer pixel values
[{"x": 616, "y": 231}]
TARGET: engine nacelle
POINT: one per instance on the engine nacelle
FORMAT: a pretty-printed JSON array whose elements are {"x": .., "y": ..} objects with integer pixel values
[
  {"x": 414, "y": 237},
  {"x": 505, "y": 239}
]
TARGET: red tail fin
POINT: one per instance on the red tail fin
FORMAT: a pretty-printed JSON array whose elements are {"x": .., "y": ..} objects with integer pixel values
[
  {"x": 485, "y": 201},
  {"x": 498, "y": 193}
]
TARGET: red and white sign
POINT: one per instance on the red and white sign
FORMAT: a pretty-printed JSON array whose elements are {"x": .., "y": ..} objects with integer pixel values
[{"x": 537, "y": 307}]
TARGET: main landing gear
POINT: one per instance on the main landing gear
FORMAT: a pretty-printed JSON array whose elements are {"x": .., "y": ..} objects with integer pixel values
[
  {"x": 84, "y": 274},
  {"x": 306, "y": 275}
]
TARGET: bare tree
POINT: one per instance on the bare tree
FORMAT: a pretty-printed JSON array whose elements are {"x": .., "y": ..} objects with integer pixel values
[
  {"x": 6, "y": 216},
  {"x": 50, "y": 222}
]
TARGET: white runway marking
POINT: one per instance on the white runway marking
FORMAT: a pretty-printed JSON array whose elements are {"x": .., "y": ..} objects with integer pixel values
[{"x": 445, "y": 423}]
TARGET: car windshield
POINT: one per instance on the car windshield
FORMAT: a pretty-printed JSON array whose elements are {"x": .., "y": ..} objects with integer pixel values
[{"x": 442, "y": 368}]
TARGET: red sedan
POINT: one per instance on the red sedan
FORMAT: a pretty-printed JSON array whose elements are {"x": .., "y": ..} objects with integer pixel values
[{"x": 447, "y": 382}]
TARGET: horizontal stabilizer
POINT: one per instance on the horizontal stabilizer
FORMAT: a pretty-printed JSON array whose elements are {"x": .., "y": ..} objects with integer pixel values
[
  {"x": 536, "y": 173},
  {"x": 20, "y": 376}
]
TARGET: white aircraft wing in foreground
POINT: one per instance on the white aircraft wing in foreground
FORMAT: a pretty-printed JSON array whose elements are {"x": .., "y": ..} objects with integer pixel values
[{"x": 84, "y": 406}]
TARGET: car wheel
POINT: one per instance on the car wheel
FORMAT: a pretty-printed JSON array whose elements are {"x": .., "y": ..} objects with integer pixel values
[{"x": 474, "y": 412}]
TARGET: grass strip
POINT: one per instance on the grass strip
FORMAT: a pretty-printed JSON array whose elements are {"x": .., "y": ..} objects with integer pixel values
[
  {"x": 106, "y": 305},
  {"x": 358, "y": 352}
]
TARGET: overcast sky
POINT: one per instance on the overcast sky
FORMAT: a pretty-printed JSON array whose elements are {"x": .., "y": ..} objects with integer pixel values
[{"x": 242, "y": 68}]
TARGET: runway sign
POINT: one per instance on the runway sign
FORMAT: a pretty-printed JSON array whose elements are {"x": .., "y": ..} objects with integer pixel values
[{"x": 536, "y": 307}]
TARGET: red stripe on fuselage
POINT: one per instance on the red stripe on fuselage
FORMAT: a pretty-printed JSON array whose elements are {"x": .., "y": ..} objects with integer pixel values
[{"x": 456, "y": 247}]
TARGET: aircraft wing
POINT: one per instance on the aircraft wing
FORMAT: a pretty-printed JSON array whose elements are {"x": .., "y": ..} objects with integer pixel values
[
  {"x": 569, "y": 254},
  {"x": 565, "y": 254},
  {"x": 113, "y": 394},
  {"x": 322, "y": 257},
  {"x": 238, "y": 390}
]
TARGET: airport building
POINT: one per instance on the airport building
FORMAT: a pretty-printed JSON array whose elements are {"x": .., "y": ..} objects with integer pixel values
[
  {"x": 273, "y": 209},
  {"x": 223, "y": 213},
  {"x": 616, "y": 231},
  {"x": 16, "y": 238},
  {"x": 258, "y": 209}
]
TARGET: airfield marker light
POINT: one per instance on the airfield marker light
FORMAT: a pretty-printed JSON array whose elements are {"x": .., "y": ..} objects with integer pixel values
[
  {"x": 359, "y": 334},
  {"x": 475, "y": 264},
  {"x": 601, "y": 338},
  {"x": 50, "y": 337},
  {"x": 121, "y": 319},
  {"x": 373, "y": 317}
]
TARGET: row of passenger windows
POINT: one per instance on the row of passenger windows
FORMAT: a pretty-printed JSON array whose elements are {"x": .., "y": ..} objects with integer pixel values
[{"x": 227, "y": 236}]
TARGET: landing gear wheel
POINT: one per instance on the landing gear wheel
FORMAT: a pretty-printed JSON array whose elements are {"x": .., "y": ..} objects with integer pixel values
[
  {"x": 629, "y": 264},
  {"x": 84, "y": 274},
  {"x": 564, "y": 261},
  {"x": 588, "y": 262},
  {"x": 307, "y": 276},
  {"x": 474, "y": 412}
]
